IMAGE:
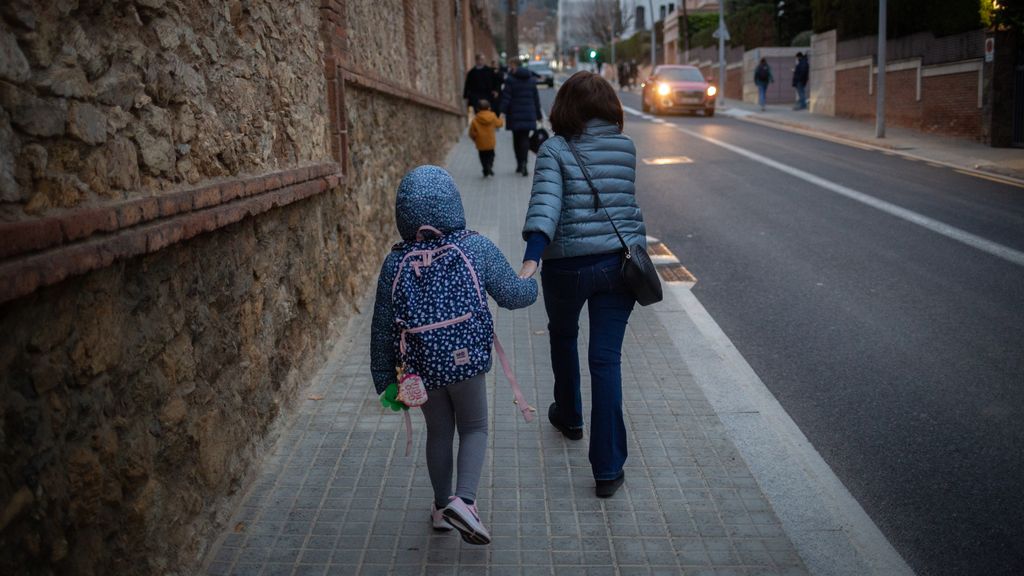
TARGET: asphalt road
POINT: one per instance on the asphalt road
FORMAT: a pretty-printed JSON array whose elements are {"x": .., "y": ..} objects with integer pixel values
[{"x": 899, "y": 352}]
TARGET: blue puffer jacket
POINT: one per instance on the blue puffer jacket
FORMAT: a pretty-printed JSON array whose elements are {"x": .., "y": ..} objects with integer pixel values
[
  {"x": 562, "y": 205},
  {"x": 428, "y": 196},
  {"x": 520, "y": 101}
]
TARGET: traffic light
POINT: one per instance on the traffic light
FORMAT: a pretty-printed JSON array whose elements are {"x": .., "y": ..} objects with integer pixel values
[{"x": 593, "y": 54}]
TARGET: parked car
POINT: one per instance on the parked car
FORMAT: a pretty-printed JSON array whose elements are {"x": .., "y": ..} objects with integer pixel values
[
  {"x": 543, "y": 71},
  {"x": 678, "y": 89}
]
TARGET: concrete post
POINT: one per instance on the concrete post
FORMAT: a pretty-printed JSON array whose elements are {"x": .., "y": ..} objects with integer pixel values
[
  {"x": 880, "y": 102},
  {"x": 721, "y": 50}
]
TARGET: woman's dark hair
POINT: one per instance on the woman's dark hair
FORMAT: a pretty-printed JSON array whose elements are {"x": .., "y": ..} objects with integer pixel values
[{"x": 584, "y": 96}]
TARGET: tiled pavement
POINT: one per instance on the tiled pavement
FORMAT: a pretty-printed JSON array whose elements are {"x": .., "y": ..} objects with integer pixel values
[{"x": 337, "y": 496}]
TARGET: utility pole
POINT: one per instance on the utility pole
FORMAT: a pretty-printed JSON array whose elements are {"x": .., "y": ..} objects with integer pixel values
[
  {"x": 686, "y": 35},
  {"x": 654, "y": 38},
  {"x": 512, "y": 31},
  {"x": 721, "y": 49},
  {"x": 880, "y": 84}
]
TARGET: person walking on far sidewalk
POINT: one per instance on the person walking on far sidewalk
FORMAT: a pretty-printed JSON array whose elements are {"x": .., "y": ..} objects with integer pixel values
[
  {"x": 582, "y": 256},
  {"x": 520, "y": 103},
  {"x": 481, "y": 131},
  {"x": 762, "y": 78},
  {"x": 479, "y": 83},
  {"x": 800, "y": 76},
  {"x": 432, "y": 333}
]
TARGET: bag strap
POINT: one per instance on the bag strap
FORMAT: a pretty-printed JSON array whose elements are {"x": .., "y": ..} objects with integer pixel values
[
  {"x": 517, "y": 392},
  {"x": 597, "y": 195}
]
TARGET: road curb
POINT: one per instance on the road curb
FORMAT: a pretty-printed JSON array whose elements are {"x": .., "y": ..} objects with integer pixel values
[
  {"x": 1012, "y": 178},
  {"x": 831, "y": 531}
]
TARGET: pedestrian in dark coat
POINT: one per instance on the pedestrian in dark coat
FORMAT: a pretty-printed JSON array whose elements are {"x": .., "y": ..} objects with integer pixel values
[
  {"x": 479, "y": 83},
  {"x": 520, "y": 103},
  {"x": 801, "y": 74},
  {"x": 762, "y": 78}
]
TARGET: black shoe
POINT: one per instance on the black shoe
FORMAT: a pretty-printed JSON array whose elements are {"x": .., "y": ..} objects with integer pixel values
[
  {"x": 526, "y": 171},
  {"x": 570, "y": 433},
  {"x": 607, "y": 488}
]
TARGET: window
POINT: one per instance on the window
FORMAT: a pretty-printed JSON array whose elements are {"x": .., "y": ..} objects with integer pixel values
[
  {"x": 661, "y": 12},
  {"x": 680, "y": 75},
  {"x": 641, "y": 22}
]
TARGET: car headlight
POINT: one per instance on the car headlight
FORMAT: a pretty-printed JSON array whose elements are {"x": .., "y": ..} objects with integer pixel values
[
  {"x": 664, "y": 89},
  {"x": 712, "y": 90}
]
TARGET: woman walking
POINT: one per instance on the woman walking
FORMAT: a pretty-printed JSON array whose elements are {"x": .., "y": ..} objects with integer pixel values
[
  {"x": 520, "y": 103},
  {"x": 582, "y": 258}
]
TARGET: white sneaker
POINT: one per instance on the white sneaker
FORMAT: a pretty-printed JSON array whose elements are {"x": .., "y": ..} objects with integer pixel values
[
  {"x": 464, "y": 518},
  {"x": 438, "y": 520}
]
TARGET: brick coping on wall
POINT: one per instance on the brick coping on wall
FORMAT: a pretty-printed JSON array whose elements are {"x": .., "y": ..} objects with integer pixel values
[
  {"x": 44, "y": 251},
  {"x": 359, "y": 77}
]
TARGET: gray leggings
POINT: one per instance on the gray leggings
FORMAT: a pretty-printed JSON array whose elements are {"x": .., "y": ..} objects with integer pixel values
[{"x": 462, "y": 405}]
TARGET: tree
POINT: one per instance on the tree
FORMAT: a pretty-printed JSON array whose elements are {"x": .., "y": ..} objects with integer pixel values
[
  {"x": 537, "y": 26},
  {"x": 605, "y": 20}
]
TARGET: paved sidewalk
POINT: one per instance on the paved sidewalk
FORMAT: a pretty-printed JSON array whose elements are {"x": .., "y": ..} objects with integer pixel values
[
  {"x": 336, "y": 495},
  {"x": 956, "y": 152}
]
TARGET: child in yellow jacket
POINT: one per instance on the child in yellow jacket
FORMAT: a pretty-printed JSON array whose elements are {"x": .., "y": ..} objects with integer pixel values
[{"x": 481, "y": 130}]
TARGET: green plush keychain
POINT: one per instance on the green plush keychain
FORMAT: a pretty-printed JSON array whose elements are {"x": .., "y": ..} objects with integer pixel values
[{"x": 389, "y": 398}]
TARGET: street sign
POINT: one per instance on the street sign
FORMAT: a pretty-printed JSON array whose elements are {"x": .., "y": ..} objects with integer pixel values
[
  {"x": 718, "y": 33},
  {"x": 990, "y": 49}
]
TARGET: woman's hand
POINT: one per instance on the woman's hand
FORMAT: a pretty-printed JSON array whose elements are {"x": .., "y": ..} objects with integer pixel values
[{"x": 528, "y": 270}]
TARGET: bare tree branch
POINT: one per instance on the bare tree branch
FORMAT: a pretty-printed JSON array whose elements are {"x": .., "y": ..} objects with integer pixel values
[{"x": 605, "y": 20}]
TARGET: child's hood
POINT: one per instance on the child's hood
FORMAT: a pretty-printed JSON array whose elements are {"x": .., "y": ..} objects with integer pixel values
[
  {"x": 427, "y": 196},
  {"x": 486, "y": 117}
]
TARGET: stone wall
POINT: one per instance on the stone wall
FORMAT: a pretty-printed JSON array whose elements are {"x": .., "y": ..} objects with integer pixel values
[
  {"x": 140, "y": 386},
  {"x": 108, "y": 100}
]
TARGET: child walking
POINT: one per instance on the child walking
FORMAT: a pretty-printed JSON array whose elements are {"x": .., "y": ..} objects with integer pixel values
[
  {"x": 432, "y": 326},
  {"x": 481, "y": 130}
]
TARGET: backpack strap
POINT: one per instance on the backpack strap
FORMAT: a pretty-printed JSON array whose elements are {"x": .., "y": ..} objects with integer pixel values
[
  {"x": 517, "y": 392},
  {"x": 408, "y": 433}
]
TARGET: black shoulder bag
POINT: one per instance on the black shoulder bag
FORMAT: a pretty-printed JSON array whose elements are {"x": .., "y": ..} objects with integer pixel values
[{"x": 638, "y": 271}]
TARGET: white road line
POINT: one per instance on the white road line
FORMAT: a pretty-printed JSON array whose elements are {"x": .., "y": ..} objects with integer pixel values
[{"x": 951, "y": 232}]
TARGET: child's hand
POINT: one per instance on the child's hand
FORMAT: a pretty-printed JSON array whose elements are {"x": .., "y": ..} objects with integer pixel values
[{"x": 389, "y": 398}]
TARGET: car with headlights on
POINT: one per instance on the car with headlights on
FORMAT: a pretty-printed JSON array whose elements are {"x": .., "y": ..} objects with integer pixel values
[{"x": 674, "y": 88}]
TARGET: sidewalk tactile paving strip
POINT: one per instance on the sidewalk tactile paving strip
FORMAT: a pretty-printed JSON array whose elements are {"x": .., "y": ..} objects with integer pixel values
[
  {"x": 337, "y": 497},
  {"x": 676, "y": 272}
]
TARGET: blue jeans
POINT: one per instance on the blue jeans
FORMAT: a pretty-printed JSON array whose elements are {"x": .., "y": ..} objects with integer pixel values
[
  {"x": 801, "y": 94},
  {"x": 762, "y": 94},
  {"x": 567, "y": 286}
]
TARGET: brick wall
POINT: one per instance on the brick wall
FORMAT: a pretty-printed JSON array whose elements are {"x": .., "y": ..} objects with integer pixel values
[
  {"x": 851, "y": 95},
  {"x": 191, "y": 203},
  {"x": 948, "y": 104}
]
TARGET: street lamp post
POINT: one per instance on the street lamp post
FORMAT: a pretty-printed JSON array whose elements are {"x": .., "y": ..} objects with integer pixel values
[
  {"x": 654, "y": 37},
  {"x": 880, "y": 84},
  {"x": 721, "y": 48}
]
